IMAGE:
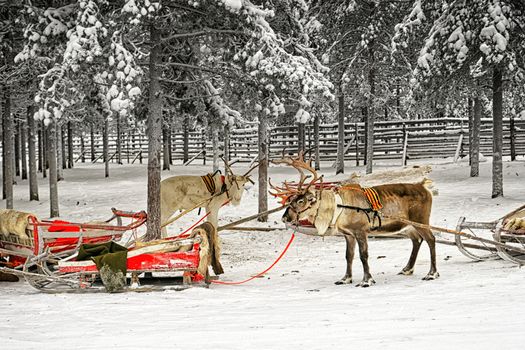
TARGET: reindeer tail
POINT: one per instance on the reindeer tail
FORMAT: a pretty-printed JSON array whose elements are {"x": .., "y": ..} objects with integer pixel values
[{"x": 429, "y": 185}]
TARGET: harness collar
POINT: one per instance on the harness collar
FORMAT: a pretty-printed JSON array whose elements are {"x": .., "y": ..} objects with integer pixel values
[
  {"x": 374, "y": 202},
  {"x": 338, "y": 209}
]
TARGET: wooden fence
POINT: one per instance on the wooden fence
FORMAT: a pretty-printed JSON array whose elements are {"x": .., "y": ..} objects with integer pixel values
[{"x": 394, "y": 140}]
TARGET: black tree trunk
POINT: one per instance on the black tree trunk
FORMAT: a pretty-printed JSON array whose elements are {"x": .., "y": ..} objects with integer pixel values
[
  {"x": 497, "y": 145},
  {"x": 263, "y": 165},
  {"x": 154, "y": 131},
  {"x": 33, "y": 182},
  {"x": 53, "y": 173}
]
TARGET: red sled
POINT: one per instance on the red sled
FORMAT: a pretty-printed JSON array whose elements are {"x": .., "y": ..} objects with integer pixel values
[{"x": 45, "y": 255}]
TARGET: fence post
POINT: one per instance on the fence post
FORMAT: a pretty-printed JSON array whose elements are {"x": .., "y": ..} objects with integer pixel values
[
  {"x": 356, "y": 126},
  {"x": 185, "y": 139},
  {"x": 82, "y": 148},
  {"x": 459, "y": 148},
  {"x": 92, "y": 139},
  {"x": 317, "y": 142},
  {"x": 512, "y": 139},
  {"x": 203, "y": 138},
  {"x": 405, "y": 145}
]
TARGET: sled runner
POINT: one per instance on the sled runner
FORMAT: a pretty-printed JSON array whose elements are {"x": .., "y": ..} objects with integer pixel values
[{"x": 508, "y": 230}]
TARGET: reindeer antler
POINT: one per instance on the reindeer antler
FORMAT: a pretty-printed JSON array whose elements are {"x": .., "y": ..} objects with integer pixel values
[
  {"x": 299, "y": 164},
  {"x": 252, "y": 169},
  {"x": 283, "y": 193}
]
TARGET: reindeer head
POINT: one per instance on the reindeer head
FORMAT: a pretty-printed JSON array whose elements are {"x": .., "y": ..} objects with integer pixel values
[
  {"x": 301, "y": 199},
  {"x": 235, "y": 183}
]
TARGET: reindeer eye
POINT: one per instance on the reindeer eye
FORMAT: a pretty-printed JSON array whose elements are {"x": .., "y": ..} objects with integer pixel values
[{"x": 300, "y": 201}]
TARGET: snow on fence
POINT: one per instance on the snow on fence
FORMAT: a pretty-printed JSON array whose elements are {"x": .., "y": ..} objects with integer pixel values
[{"x": 394, "y": 140}]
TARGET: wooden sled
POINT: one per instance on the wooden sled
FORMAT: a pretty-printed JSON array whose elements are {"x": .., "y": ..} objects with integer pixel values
[{"x": 46, "y": 257}]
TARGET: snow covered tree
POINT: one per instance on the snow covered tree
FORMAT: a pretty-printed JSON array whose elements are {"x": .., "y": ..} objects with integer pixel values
[
  {"x": 470, "y": 38},
  {"x": 213, "y": 45},
  {"x": 352, "y": 38}
]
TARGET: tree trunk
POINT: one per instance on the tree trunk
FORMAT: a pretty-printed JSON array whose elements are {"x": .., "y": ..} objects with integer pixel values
[
  {"x": 170, "y": 141},
  {"x": 119, "y": 140},
  {"x": 154, "y": 131},
  {"x": 470, "y": 115},
  {"x": 60, "y": 152},
  {"x": 23, "y": 151},
  {"x": 316, "y": 142},
  {"x": 92, "y": 139},
  {"x": 63, "y": 140},
  {"x": 70, "y": 160},
  {"x": 497, "y": 145},
  {"x": 370, "y": 122},
  {"x": 105, "y": 146},
  {"x": 33, "y": 183},
  {"x": 227, "y": 143},
  {"x": 301, "y": 137},
  {"x": 475, "y": 134},
  {"x": 263, "y": 165},
  {"x": 82, "y": 148},
  {"x": 166, "y": 145},
  {"x": 45, "y": 152},
  {"x": 53, "y": 167},
  {"x": 215, "y": 146},
  {"x": 340, "y": 161},
  {"x": 186, "y": 139},
  {"x": 3, "y": 145},
  {"x": 40, "y": 147},
  {"x": 17, "y": 147},
  {"x": 9, "y": 148}
]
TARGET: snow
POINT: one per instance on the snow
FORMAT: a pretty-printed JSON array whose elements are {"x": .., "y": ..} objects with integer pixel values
[{"x": 295, "y": 305}]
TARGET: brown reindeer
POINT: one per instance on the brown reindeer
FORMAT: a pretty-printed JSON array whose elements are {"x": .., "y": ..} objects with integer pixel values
[{"x": 347, "y": 209}]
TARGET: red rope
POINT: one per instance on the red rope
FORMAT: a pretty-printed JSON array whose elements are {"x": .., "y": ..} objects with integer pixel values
[
  {"x": 260, "y": 273},
  {"x": 195, "y": 224}
]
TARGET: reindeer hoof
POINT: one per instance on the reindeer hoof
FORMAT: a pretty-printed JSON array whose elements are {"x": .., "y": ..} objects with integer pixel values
[
  {"x": 344, "y": 280},
  {"x": 407, "y": 272},
  {"x": 366, "y": 283},
  {"x": 431, "y": 276}
]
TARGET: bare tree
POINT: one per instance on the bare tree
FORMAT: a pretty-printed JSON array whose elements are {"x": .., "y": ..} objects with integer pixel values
[
  {"x": 497, "y": 136},
  {"x": 59, "y": 149},
  {"x": 340, "y": 161},
  {"x": 9, "y": 148},
  {"x": 474, "y": 141},
  {"x": 154, "y": 131},
  {"x": 33, "y": 183},
  {"x": 105, "y": 145},
  {"x": 53, "y": 173},
  {"x": 23, "y": 151},
  {"x": 70, "y": 160},
  {"x": 263, "y": 165}
]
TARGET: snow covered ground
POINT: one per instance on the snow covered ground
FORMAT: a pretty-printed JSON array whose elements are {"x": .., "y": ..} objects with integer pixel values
[{"x": 473, "y": 305}]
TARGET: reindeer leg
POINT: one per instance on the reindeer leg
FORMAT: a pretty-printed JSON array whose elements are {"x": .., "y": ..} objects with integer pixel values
[
  {"x": 431, "y": 241},
  {"x": 212, "y": 217},
  {"x": 363, "y": 255},
  {"x": 416, "y": 244},
  {"x": 350, "y": 248}
]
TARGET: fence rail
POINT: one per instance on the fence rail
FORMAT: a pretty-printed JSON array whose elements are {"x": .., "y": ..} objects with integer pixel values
[{"x": 409, "y": 139}]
